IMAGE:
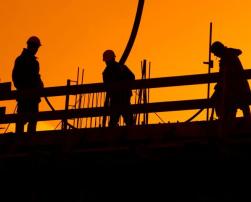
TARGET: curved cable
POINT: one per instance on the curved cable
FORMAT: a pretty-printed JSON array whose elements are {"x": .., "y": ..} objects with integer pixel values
[
  {"x": 195, "y": 115},
  {"x": 53, "y": 109},
  {"x": 129, "y": 45},
  {"x": 133, "y": 33},
  {"x": 49, "y": 104},
  {"x": 198, "y": 112},
  {"x": 159, "y": 117},
  {"x": 6, "y": 130}
]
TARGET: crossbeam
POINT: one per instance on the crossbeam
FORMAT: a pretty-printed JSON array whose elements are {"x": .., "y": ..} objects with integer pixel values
[
  {"x": 101, "y": 111},
  {"x": 138, "y": 84}
]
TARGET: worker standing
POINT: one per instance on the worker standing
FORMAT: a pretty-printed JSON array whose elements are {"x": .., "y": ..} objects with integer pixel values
[{"x": 25, "y": 76}]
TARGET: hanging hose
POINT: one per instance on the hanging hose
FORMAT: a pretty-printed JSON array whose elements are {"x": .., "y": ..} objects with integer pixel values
[
  {"x": 49, "y": 104},
  {"x": 197, "y": 113},
  {"x": 129, "y": 45},
  {"x": 212, "y": 98},
  {"x": 194, "y": 116},
  {"x": 133, "y": 33},
  {"x": 159, "y": 117},
  {"x": 137, "y": 94},
  {"x": 47, "y": 101},
  {"x": 9, "y": 123},
  {"x": 53, "y": 109}
]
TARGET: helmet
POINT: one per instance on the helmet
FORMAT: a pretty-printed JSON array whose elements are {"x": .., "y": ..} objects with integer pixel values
[
  {"x": 33, "y": 40},
  {"x": 108, "y": 55},
  {"x": 217, "y": 47}
]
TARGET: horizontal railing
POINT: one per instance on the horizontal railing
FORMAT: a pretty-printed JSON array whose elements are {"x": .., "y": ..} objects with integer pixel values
[
  {"x": 99, "y": 87},
  {"x": 102, "y": 111}
]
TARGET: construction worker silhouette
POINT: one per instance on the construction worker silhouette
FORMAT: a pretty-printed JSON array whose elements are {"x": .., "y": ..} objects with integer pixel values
[
  {"x": 25, "y": 76},
  {"x": 232, "y": 90},
  {"x": 119, "y": 100}
]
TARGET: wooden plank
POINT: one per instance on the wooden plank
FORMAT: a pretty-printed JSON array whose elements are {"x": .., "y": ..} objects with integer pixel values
[
  {"x": 101, "y": 111},
  {"x": 99, "y": 87}
]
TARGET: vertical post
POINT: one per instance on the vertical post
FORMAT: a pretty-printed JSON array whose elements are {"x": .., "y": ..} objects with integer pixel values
[
  {"x": 80, "y": 99},
  {"x": 210, "y": 65},
  {"x": 76, "y": 97},
  {"x": 96, "y": 105},
  {"x": 139, "y": 96},
  {"x": 83, "y": 106},
  {"x": 92, "y": 104},
  {"x": 67, "y": 99},
  {"x": 144, "y": 90},
  {"x": 88, "y": 103},
  {"x": 100, "y": 105},
  {"x": 148, "y": 92}
]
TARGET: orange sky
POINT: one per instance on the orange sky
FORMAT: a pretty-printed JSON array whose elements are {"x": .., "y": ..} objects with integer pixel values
[{"x": 173, "y": 35}]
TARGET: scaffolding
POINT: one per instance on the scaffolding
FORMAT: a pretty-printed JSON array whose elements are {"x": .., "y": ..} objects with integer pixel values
[{"x": 97, "y": 99}]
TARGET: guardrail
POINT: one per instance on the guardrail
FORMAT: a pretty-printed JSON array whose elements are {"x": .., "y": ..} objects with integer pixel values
[{"x": 99, "y": 88}]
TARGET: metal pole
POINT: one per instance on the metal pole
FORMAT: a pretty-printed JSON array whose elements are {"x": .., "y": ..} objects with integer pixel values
[
  {"x": 76, "y": 97},
  {"x": 100, "y": 105},
  {"x": 88, "y": 103},
  {"x": 92, "y": 100},
  {"x": 106, "y": 104},
  {"x": 83, "y": 106},
  {"x": 144, "y": 91},
  {"x": 80, "y": 99},
  {"x": 148, "y": 92},
  {"x": 96, "y": 105},
  {"x": 210, "y": 65},
  {"x": 140, "y": 95},
  {"x": 67, "y": 99}
]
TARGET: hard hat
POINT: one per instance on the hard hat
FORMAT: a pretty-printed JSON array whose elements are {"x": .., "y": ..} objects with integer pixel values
[
  {"x": 33, "y": 40},
  {"x": 108, "y": 55},
  {"x": 217, "y": 46}
]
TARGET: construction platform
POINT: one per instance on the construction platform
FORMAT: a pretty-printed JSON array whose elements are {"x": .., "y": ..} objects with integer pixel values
[
  {"x": 189, "y": 161},
  {"x": 163, "y": 162},
  {"x": 143, "y": 141}
]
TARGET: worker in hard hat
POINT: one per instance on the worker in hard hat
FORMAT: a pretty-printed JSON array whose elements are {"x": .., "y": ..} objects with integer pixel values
[
  {"x": 25, "y": 76},
  {"x": 232, "y": 89},
  {"x": 113, "y": 74}
]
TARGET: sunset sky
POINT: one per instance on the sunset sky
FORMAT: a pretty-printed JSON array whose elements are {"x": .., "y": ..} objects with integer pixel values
[{"x": 173, "y": 35}]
